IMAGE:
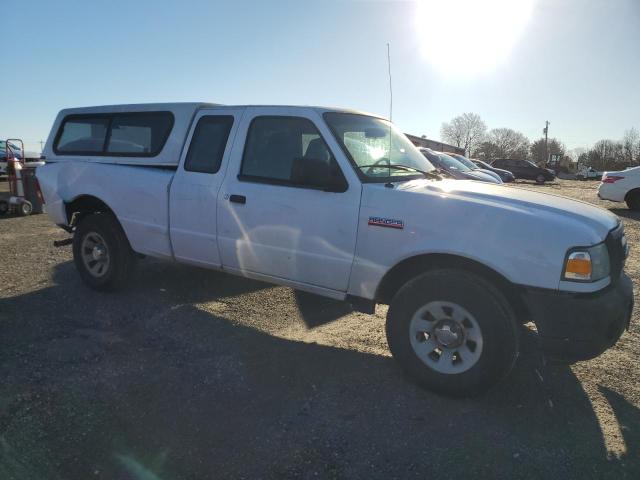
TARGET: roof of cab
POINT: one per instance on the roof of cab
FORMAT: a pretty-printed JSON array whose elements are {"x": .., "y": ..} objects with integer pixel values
[
  {"x": 183, "y": 113},
  {"x": 192, "y": 106}
]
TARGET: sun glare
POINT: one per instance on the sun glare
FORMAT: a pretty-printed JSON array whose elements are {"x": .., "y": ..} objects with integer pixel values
[{"x": 470, "y": 36}]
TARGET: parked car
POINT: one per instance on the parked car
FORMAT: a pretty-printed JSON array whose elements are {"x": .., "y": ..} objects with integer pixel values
[
  {"x": 340, "y": 204},
  {"x": 16, "y": 150},
  {"x": 471, "y": 165},
  {"x": 622, "y": 186},
  {"x": 3, "y": 155},
  {"x": 525, "y": 169},
  {"x": 456, "y": 169},
  {"x": 589, "y": 173},
  {"x": 505, "y": 175}
]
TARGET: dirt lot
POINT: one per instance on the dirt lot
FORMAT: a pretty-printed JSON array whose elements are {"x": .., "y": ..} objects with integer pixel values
[{"x": 192, "y": 374}]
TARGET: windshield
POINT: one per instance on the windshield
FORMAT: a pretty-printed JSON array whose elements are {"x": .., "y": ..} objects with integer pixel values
[
  {"x": 444, "y": 161},
  {"x": 531, "y": 163},
  {"x": 465, "y": 161},
  {"x": 371, "y": 143},
  {"x": 482, "y": 164},
  {"x": 453, "y": 163},
  {"x": 3, "y": 146},
  {"x": 3, "y": 150}
]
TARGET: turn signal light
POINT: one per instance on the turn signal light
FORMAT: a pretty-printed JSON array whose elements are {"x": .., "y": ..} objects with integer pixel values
[{"x": 578, "y": 266}]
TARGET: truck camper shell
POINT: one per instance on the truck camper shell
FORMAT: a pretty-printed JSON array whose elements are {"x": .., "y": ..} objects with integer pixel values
[{"x": 68, "y": 140}]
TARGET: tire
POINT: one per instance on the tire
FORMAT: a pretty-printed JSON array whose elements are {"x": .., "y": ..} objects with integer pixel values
[
  {"x": 4, "y": 207},
  {"x": 540, "y": 179},
  {"x": 102, "y": 253},
  {"x": 633, "y": 200},
  {"x": 25, "y": 208},
  {"x": 482, "y": 316}
]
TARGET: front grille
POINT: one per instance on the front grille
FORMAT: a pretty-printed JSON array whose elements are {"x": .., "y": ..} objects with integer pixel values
[{"x": 617, "y": 251}]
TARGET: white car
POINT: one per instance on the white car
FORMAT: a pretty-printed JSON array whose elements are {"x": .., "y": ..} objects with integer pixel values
[
  {"x": 622, "y": 186},
  {"x": 341, "y": 204}
]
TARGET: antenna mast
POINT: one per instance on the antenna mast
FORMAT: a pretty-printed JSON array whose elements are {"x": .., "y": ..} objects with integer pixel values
[{"x": 390, "y": 85}]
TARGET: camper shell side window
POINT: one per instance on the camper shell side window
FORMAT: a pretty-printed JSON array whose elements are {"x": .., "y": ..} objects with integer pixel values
[{"x": 134, "y": 134}]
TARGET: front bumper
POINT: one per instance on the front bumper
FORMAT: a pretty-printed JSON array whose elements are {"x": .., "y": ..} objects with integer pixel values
[{"x": 578, "y": 326}]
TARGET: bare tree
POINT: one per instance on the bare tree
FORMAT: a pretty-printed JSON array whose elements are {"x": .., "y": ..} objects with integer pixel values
[
  {"x": 539, "y": 151},
  {"x": 464, "y": 131},
  {"x": 631, "y": 146},
  {"x": 505, "y": 143},
  {"x": 606, "y": 155}
]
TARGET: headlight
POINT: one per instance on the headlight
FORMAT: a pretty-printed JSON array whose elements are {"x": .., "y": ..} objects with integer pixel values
[{"x": 587, "y": 264}]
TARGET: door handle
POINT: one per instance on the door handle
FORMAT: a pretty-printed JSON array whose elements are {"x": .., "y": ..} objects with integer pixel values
[{"x": 238, "y": 199}]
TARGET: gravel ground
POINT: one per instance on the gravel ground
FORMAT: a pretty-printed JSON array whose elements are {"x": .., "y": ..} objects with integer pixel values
[{"x": 192, "y": 374}]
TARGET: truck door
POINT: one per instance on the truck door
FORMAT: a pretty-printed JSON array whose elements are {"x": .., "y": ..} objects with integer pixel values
[
  {"x": 278, "y": 215},
  {"x": 195, "y": 186}
]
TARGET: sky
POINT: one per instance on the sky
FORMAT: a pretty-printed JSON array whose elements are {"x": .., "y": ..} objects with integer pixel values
[{"x": 575, "y": 63}]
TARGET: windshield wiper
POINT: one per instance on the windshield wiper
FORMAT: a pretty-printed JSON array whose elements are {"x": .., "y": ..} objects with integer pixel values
[{"x": 406, "y": 168}]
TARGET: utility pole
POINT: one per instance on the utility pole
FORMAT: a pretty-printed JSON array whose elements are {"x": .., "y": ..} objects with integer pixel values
[
  {"x": 41, "y": 145},
  {"x": 546, "y": 141}
]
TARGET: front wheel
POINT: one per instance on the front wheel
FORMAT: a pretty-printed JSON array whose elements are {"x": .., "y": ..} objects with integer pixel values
[
  {"x": 540, "y": 179},
  {"x": 453, "y": 332},
  {"x": 102, "y": 253}
]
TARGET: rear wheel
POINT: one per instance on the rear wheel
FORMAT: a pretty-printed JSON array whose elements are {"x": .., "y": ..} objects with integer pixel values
[
  {"x": 453, "y": 332},
  {"x": 540, "y": 179},
  {"x": 102, "y": 253},
  {"x": 633, "y": 200},
  {"x": 4, "y": 207},
  {"x": 25, "y": 208}
]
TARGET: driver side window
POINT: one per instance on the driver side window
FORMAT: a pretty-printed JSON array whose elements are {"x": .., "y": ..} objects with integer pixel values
[{"x": 288, "y": 151}]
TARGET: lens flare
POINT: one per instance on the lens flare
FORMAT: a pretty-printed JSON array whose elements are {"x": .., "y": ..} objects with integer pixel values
[{"x": 470, "y": 36}]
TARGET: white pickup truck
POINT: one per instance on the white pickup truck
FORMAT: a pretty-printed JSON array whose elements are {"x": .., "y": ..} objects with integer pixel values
[
  {"x": 341, "y": 204},
  {"x": 588, "y": 173}
]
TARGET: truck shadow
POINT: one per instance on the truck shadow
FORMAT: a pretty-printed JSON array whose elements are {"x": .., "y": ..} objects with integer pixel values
[
  {"x": 520, "y": 181},
  {"x": 626, "y": 213},
  {"x": 165, "y": 381}
]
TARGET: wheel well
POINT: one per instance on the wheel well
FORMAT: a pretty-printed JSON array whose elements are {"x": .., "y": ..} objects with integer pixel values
[
  {"x": 630, "y": 193},
  {"x": 83, "y": 205},
  {"x": 410, "y": 268}
]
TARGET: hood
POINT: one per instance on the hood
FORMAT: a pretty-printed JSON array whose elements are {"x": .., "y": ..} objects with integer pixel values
[
  {"x": 481, "y": 175},
  {"x": 540, "y": 206},
  {"x": 31, "y": 155},
  {"x": 491, "y": 174}
]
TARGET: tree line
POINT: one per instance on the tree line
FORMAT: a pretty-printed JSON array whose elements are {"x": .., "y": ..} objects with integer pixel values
[
  {"x": 613, "y": 154},
  {"x": 468, "y": 131}
]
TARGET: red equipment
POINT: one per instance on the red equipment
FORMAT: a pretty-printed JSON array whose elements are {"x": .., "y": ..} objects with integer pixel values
[{"x": 17, "y": 201}]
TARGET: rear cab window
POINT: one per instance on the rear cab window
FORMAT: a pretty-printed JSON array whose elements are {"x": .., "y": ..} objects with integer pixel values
[
  {"x": 208, "y": 144},
  {"x": 136, "y": 134}
]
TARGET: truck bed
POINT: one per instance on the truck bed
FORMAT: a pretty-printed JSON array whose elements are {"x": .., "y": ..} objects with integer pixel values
[{"x": 139, "y": 196}]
